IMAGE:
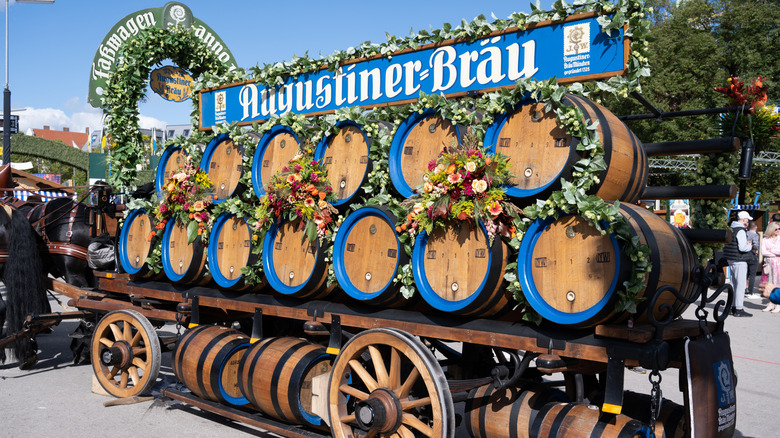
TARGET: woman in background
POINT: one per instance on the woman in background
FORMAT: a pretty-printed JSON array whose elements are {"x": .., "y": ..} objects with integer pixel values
[{"x": 770, "y": 249}]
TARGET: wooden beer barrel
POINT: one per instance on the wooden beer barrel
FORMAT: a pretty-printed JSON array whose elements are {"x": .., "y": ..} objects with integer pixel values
[
  {"x": 366, "y": 256},
  {"x": 276, "y": 374},
  {"x": 274, "y": 150},
  {"x": 570, "y": 273},
  {"x": 134, "y": 246},
  {"x": 229, "y": 250},
  {"x": 573, "y": 420},
  {"x": 223, "y": 162},
  {"x": 292, "y": 265},
  {"x": 541, "y": 153},
  {"x": 171, "y": 162},
  {"x": 182, "y": 262},
  {"x": 508, "y": 412},
  {"x": 207, "y": 360},
  {"x": 345, "y": 156},
  {"x": 457, "y": 271},
  {"x": 418, "y": 140}
]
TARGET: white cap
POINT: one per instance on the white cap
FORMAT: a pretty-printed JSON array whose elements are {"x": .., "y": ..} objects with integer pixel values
[{"x": 744, "y": 215}]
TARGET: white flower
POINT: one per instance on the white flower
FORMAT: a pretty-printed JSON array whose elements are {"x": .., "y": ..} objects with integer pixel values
[
  {"x": 471, "y": 166},
  {"x": 479, "y": 185}
]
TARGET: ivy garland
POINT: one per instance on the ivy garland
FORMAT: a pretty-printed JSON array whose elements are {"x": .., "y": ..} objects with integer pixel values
[
  {"x": 572, "y": 198},
  {"x": 128, "y": 85}
]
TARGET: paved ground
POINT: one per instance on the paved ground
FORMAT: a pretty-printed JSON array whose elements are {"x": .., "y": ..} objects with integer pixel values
[{"x": 54, "y": 398}]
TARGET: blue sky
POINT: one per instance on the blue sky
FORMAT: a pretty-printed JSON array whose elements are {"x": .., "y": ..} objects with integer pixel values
[{"x": 51, "y": 46}]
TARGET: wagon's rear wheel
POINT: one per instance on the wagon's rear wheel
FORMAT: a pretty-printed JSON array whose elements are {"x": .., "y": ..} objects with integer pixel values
[
  {"x": 125, "y": 353},
  {"x": 386, "y": 383}
]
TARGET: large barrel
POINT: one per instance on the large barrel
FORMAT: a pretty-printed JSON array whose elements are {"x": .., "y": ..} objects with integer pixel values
[
  {"x": 207, "y": 360},
  {"x": 292, "y": 264},
  {"x": 171, "y": 162},
  {"x": 276, "y": 376},
  {"x": 230, "y": 249},
  {"x": 541, "y": 153},
  {"x": 418, "y": 140},
  {"x": 570, "y": 273},
  {"x": 223, "y": 161},
  {"x": 508, "y": 412},
  {"x": 274, "y": 150},
  {"x": 366, "y": 256},
  {"x": 345, "y": 156},
  {"x": 572, "y": 420},
  {"x": 183, "y": 262},
  {"x": 457, "y": 270},
  {"x": 134, "y": 244}
]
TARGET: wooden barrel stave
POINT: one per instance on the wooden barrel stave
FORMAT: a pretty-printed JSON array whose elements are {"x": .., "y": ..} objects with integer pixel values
[
  {"x": 223, "y": 162},
  {"x": 274, "y": 150},
  {"x": 541, "y": 153},
  {"x": 579, "y": 420},
  {"x": 510, "y": 412},
  {"x": 134, "y": 245},
  {"x": 230, "y": 250},
  {"x": 457, "y": 271},
  {"x": 345, "y": 156},
  {"x": 366, "y": 256},
  {"x": 418, "y": 140},
  {"x": 183, "y": 262},
  {"x": 207, "y": 360},
  {"x": 293, "y": 265},
  {"x": 569, "y": 272},
  {"x": 276, "y": 376}
]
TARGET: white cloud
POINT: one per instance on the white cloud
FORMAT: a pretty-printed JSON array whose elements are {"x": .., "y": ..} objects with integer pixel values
[{"x": 76, "y": 121}]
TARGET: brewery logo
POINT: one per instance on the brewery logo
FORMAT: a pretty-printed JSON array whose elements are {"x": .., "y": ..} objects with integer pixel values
[
  {"x": 177, "y": 14},
  {"x": 725, "y": 383},
  {"x": 172, "y": 83},
  {"x": 576, "y": 39},
  {"x": 220, "y": 106},
  {"x": 576, "y": 49}
]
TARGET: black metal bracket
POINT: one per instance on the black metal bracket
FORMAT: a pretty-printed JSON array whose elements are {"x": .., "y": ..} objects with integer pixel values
[
  {"x": 195, "y": 316},
  {"x": 334, "y": 345},
  {"x": 257, "y": 326},
  {"x": 613, "y": 392}
]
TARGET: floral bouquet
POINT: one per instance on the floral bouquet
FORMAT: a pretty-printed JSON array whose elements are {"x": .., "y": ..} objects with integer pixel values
[
  {"x": 300, "y": 191},
  {"x": 186, "y": 199},
  {"x": 755, "y": 120},
  {"x": 463, "y": 183}
]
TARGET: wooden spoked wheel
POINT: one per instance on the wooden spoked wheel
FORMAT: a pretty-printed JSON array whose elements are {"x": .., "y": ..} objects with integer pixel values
[
  {"x": 385, "y": 383},
  {"x": 125, "y": 353}
]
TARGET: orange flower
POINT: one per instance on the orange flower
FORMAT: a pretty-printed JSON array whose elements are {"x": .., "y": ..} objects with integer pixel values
[
  {"x": 487, "y": 161},
  {"x": 309, "y": 202},
  {"x": 151, "y": 236},
  {"x": 192, "y": 215},
  {"x": 398, "y": 229},
  {"x": 451, "y": 168},
  {"x": 322, "y": 195}
]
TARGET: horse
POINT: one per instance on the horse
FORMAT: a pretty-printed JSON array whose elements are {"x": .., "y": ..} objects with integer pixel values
[
  {"x": 21, "y": 268},
  {"x": 51, "y": 238}
]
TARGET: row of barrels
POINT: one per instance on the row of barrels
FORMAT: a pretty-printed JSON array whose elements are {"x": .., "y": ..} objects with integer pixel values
[
  {"x": 540, "y": 152},
  {"x": 570, "y": 273},
  {"x": 277, "y": 377}
]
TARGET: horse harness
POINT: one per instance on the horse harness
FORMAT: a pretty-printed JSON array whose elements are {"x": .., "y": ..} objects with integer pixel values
[{"x": 37, "y": 217}]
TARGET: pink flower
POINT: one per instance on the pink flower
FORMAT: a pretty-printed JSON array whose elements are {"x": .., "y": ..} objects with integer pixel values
[
  {"x": 495, "y": 208},
  {"x": 298, "y": 167},
  {"x": 454, "y": 178},
  {"x": 479, "y": 185},
  {"x": 309, "y": 202},
  {"x": 314, "y": 177},
  {"x": 431, "y": 165},
  {"x": 291, "y": 178},
  {"x": 428, "y": 187},
  {"x": 163, "y": 208},
  {"x": 186, "y": 205}
]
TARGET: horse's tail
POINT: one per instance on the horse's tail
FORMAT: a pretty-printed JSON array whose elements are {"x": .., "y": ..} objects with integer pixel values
[{"x": 24, "y": 281}]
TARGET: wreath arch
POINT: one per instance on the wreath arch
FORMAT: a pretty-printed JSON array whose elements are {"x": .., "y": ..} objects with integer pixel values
[{"x": 127, "y": 85}]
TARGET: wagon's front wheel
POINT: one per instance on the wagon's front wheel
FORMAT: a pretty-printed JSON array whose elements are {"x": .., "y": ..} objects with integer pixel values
[
  {"x": 125, "y": 353},
  {"x": 386, "y": 383}
]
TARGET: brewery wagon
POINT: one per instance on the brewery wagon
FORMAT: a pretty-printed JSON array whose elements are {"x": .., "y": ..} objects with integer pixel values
[{"x": 408, "y": 245}]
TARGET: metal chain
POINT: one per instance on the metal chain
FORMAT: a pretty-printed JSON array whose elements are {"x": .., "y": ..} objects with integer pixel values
[
  {"x": 656, "y": 395},
  {"x": 179, "y": 316}
]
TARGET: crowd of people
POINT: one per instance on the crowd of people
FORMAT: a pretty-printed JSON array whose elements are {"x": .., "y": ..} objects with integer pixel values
[{"x": 742, "y": 255}]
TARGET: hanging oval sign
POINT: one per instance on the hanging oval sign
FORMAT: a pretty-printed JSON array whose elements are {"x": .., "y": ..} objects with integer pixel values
[{"x": 172, "y": 83}]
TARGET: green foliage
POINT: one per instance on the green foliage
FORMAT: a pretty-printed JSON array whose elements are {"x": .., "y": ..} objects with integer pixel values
[
  {"x": 128, "y": 85},
  {"x": 54, "y": 156}
]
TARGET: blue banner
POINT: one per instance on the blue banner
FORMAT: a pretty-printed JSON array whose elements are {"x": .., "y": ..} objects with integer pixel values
[{"x": 569, "y": 51}]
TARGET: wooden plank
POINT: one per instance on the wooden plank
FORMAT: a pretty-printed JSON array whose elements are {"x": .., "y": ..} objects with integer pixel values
[
  {"x": 70, "y": 291},
  {"x": 111, "y": 305},
  {"x": 106, "y": 274},
  {"x": 643, "y": 333}
]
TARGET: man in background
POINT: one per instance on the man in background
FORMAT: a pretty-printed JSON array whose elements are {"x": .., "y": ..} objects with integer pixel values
[
  {"x": 752, "y": 264},
  {"x": 738, "y": 252}
]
